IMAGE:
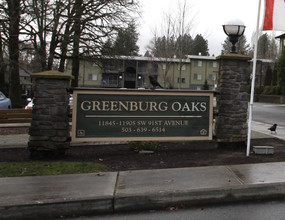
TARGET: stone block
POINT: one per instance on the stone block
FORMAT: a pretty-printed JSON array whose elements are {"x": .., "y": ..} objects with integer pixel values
[
  {"x": 62, "y": 133},
  {"x": 59, "y": 139},
  {"x": 39, "y": 138},
  {"x": 60, "y": 126},
  {"x": 34, "y": 131},
  {"x": 59, "y": 110}
]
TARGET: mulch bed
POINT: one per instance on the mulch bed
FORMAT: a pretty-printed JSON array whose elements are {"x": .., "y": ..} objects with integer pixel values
[{"x": 167, "y": 155}]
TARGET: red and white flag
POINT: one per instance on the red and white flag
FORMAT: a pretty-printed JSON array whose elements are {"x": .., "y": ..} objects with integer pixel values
[{"x": 274, "y": 17}]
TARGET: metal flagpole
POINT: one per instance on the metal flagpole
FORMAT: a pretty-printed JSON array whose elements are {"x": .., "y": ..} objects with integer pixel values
[{"x": 253, "y": 82}]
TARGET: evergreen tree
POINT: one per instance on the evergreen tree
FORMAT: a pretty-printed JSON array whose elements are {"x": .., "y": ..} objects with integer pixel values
[
  {"x": 168, "y": 47},
  {"x": 281, "y": 71},
  {"x": 274, "y": 76},
  {"x": 200, "y": 46},
  {"x": 147, "y": 54},
  {"x": 126, "y": 41},
  {"x": 227, "y": 45},
  {"x": 268, "y": 77},
  {"x": 186, "y": 44},
  {"x": 263, "y": 46},
  {"x": 163, "y": 47},
  {"x": 273, "y": 49},
  {"x": 206, "y": 85},
  {"x": 107, "y": 48},
  {"x": 241, "y": 46}
]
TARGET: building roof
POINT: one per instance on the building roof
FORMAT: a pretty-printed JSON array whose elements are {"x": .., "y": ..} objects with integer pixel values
[
  {"x": 139, "y": 58},
  {"x": 199, "y": 57},
  {"x": 282, "y": 36},
  {"x": 162, "y": 59}
]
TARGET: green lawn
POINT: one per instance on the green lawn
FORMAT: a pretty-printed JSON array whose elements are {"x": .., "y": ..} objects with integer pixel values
[{"x": 48, "y": 168}]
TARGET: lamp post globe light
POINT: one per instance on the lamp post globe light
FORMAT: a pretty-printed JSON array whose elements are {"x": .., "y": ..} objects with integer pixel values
[{"x": 234, "y": 29}]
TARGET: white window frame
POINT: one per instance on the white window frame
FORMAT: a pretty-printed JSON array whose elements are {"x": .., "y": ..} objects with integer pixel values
[
  {"x": 199, "y": 63},
  {"x": 93, "y": 77},
  {"x": 212, "y": 77},
  {"x": 197, "y": 76},
  {"x": 113, "y": 80},
  {"x": 183, "y": 67},
  {"x": 183, "y": 80}
]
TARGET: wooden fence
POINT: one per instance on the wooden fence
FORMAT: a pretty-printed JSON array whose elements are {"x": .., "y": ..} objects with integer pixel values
[
  {"x": 18, "y": 116},
  {"x": 11, "y": 116}
]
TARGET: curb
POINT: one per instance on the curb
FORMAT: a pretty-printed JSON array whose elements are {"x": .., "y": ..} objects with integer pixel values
[
  {"x": 198, "y": 197},
  {"x": 57, "y": 209},
  {"x": 139, "y": 202}
]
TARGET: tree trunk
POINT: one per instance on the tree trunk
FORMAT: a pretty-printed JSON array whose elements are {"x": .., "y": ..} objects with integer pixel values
[
  {"x": 2, "y": 70},
  {"x": 76, "y": 41},
  {"x": 63, "y": 47},
  {"x": 14, "y": 81},
  {"x": 54, "y": 39}
]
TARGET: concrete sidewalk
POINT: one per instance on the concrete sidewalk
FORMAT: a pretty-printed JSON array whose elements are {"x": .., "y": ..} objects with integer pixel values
[{"x": 83, "y": 194}]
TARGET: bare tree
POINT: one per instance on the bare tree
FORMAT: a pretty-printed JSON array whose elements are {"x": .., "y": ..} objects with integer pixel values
[
  {"x": 2, "y": 65},
  {"x": 61, "y": 29},
  {"x": 42, "y": 26},
  {"x": 94, "y": 22},
  {"x": 169, "y": 43}
]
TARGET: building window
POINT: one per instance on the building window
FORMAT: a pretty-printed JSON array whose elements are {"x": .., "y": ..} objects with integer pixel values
[
  {"x": 212, "y": 77},
  {"x": 183, "y": 67},
  {"x": 92, "y": 77},
  {"x": 197, "y": 76},
  {"x": 199, "y": 63},
  {"x": 181, "y": 80},
  {"x": 164, "y": 66},
  {"x": 215, "y": 64},
  {"x": 113, "y": 80}
]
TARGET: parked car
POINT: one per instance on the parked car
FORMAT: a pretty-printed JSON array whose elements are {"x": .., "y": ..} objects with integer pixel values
[
  {"x": 31, "y": 102},
  {"x": 5, "y": 103}
]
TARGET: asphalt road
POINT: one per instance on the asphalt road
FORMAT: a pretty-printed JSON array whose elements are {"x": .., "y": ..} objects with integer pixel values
[
  {"x": 254, "y": 211},
  {"x": 269, "y": 113}
]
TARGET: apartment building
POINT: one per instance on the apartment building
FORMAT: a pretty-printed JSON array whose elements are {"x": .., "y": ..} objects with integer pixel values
[{"x": 133, "y": 71}]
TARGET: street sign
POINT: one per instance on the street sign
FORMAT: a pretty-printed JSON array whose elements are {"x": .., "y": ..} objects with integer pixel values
[{"x": 141, "y": 115}]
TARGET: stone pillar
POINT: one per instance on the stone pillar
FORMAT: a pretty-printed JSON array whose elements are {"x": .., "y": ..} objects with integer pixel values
[
  {"x": 49, "y": 131},
  {"x": 232, "y": 100}
]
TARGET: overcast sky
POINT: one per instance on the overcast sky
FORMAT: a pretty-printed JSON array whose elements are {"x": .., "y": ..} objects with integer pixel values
[{"x": 211, "y": 15}]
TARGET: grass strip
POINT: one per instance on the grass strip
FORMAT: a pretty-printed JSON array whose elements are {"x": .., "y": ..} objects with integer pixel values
[{"x": 20, "y": 169}]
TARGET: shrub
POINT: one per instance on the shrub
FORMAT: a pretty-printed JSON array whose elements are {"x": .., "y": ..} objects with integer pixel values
[
  {"x": 267, "y": 90},
  {"x": 272, "y": 90},
  {"x": 143, "y": 145},
  {"x": 257, "y": 89}
]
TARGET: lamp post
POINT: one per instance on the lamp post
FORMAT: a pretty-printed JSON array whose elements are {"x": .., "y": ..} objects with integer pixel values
[
  {"x": 232, "y": 102},
  {"x": 234, "y": 29}
]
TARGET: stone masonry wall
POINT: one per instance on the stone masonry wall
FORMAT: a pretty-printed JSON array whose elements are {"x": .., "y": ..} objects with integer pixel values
[
  {"x": 232, "y": 101},
  {"x": 49, "y": 131}
]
